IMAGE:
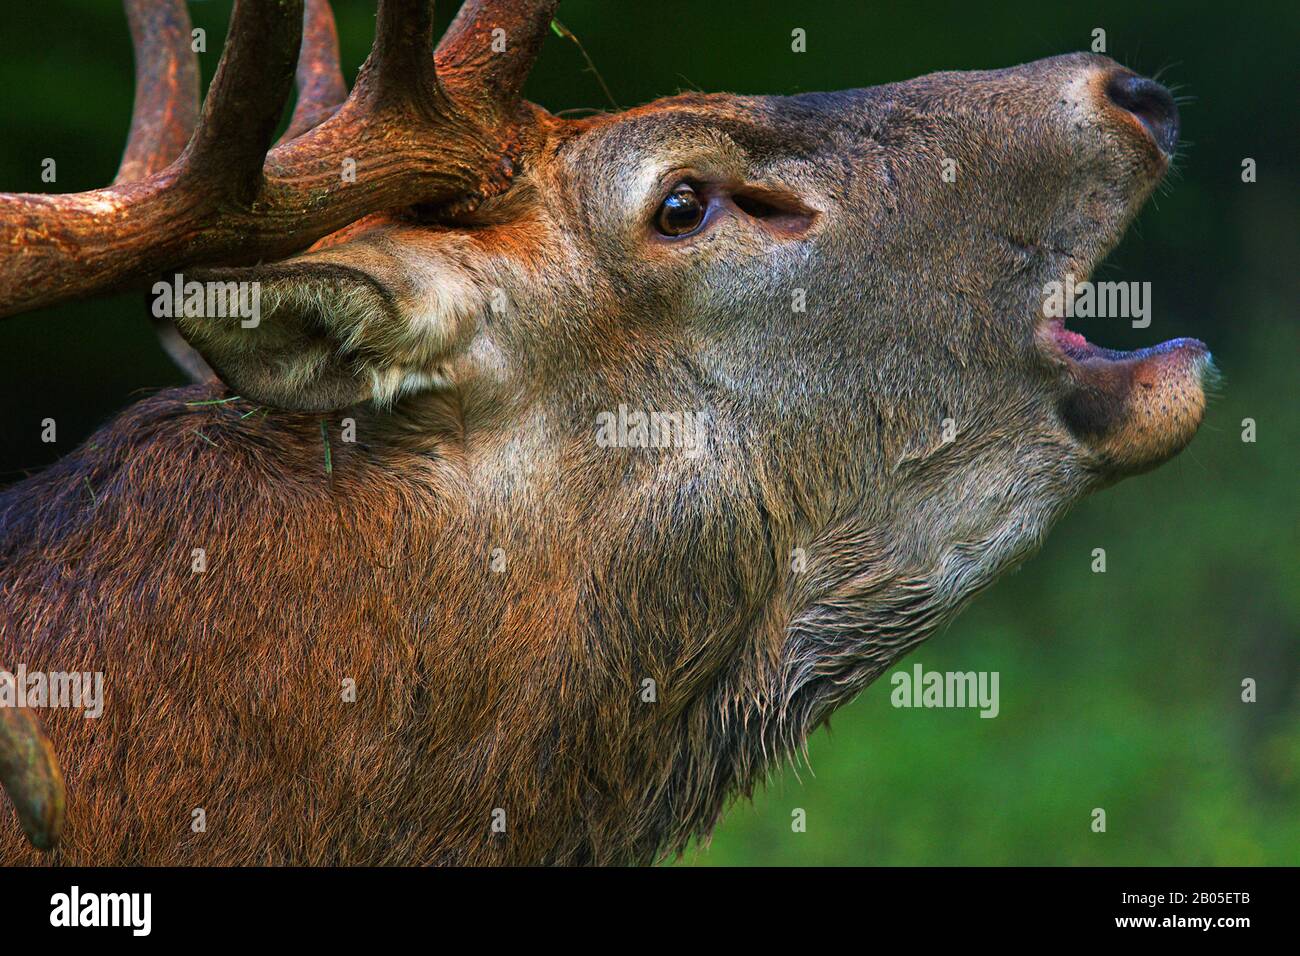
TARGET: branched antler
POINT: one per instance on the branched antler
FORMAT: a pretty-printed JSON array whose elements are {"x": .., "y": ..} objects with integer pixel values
[{"x": 410, "y": 135}]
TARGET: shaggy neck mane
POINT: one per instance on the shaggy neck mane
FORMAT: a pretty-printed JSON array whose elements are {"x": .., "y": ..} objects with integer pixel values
[{"x": 604, "y": 694}]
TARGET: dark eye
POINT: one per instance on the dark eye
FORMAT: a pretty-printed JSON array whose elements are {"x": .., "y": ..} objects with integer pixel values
[{"x": 681, "y": 212}]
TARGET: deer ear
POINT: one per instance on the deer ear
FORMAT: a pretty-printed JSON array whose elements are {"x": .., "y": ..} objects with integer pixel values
[{"x": 311, "y": 335}]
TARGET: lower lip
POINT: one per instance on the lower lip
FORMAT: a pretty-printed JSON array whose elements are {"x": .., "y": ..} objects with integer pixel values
[{"x": 1074, "y": 346}]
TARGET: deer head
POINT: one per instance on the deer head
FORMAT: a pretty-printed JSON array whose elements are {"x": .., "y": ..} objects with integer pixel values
[{"x": 764, "y": 385}]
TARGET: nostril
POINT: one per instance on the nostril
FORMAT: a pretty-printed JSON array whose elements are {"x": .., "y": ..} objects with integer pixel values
[{"x": 1149, "y": 102}]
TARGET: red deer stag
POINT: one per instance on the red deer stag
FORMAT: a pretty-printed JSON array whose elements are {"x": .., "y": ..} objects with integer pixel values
[{"x": 572, "y": 471}]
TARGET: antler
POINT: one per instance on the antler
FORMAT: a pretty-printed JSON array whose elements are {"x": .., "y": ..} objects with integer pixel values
[
  {"x": 29, "y": 773},
  {"x": 321, "y": 87},
  {"x": 166, "y": 87},
  {"x": 476, "y": 76},
  {"x": 412, "y": 136}
]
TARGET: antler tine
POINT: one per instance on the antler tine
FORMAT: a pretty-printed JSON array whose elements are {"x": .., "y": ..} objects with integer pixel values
[
  {"x": 399, "y": 73},
  {"x": 163, "y": 117},
  {"x": 29, "y": 773},
  {"x": 246, "y": 97},
  {"x": 482, "y": 68},
  {"x": 321, "y": 87},
  {"x": 166, "y": 87}
]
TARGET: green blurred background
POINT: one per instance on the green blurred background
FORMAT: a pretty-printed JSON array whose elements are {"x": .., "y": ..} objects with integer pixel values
[{"x": 1119, "y": 690}]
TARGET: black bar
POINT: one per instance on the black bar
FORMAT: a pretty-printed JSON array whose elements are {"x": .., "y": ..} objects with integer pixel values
[{"x": 335, "y": 906}]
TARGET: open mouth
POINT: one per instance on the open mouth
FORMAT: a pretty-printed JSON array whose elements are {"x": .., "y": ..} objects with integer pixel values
[
  {"x": 1147, "y": 116},
  {"x": 1131, "y": 409}
]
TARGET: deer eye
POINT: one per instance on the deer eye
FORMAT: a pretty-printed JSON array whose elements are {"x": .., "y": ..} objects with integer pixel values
[{"x": 681, "y": 212}]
